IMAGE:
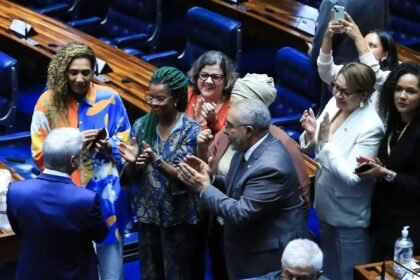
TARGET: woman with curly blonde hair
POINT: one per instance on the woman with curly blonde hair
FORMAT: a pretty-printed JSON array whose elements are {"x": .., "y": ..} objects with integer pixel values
[{"x": 73, "y": 100}]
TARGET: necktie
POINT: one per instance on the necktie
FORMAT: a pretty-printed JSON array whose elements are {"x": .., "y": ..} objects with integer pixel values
[{"x": 241, "y": 170}]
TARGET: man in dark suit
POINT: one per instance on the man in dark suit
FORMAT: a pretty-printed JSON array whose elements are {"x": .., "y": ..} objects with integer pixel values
[
  {"x": 262, "y": 210},
  {"x": 55, "y": 220}
]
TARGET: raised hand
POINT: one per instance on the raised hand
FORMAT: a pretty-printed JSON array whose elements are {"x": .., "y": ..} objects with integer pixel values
[
  {"x": 198, "y": 108},
  {"x": 204, "y": 139},
  {"x": 209, "y": 112},
  {"x": 324, "y": 130},
  {"x": 308, "y": 123},
  {"x": 195, "y": 173},
  {"x": 129, "y": 152}
]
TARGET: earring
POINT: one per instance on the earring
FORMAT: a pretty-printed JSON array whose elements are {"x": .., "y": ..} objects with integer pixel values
[
  {"x": 175, "y": 104},
  {"x": 362, "y": 104}
]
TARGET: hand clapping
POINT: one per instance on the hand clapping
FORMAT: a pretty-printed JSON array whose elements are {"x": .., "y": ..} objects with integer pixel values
[{"x": 308, "y": 123}]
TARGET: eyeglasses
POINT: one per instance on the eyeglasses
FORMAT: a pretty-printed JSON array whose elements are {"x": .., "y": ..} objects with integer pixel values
[
  {"x": 214, "y": 77},
  {"x": 343, "y": 91},
  {"x": 229, "y": 126},
  {"x": 157, "y": 99}
]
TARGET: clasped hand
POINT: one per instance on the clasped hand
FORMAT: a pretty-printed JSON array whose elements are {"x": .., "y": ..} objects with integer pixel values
[{"x": 205, "y": 111}]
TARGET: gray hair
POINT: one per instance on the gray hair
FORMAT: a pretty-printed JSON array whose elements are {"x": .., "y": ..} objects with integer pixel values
[
  {"x": 60, "y": 145},
  {"x": 254, "y": 113},
  {"x": 303, "y": 253}
]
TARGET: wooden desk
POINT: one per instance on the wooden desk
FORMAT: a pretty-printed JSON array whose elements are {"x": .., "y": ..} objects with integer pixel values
[
  {"x": 9, "y": 243},
  {"x": 51, "y": 35},
  {"x": 272, "y": 21},
  {"x": 372, "y": 270},
  {"x": 277, "y": 22}
]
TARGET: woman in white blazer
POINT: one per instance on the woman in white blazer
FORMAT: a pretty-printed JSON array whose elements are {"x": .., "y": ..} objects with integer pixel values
[{"x": 348, "y": 127}]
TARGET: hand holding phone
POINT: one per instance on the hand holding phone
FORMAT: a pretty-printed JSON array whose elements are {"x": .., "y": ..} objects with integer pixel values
[
  {"x": 363, "y": 168},
  {"x": 101, "y": 135}
]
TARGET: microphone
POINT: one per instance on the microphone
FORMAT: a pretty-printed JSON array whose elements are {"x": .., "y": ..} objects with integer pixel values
[{"x": 383, "y": 269}]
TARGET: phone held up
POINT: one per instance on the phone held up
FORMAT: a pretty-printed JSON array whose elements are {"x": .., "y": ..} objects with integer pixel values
[
  {"x": 338, "y": 14},
  {"x": 362, "y": 168}
]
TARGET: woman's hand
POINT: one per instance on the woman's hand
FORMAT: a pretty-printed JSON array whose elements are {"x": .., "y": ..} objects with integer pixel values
[
  {"x": 129, "y": 152},
  {"x": 209, "y": 112},
  {"x": 308, "y": 123},
  {"x": 148, "y": 156},
  {"x": 334, "y": 26},
  {"x": 324, "y": 131},
  {"x": 351, "y": 28},
  {"x": 198, "y": 108}
]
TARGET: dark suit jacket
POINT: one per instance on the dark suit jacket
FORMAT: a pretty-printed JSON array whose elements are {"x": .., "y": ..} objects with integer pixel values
[
  {"x": 368, "y": 15},
  {"x": 56, "y": 222},
  {"x": 262, "y": 212},
  {"x": 397, "y": 204}
]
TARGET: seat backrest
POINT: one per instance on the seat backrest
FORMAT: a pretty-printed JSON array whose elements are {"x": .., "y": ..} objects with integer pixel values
[
  {"x": 295, "y": 71},
  {"x": 207, "y": 30},
  {"x": 91, "y": 8},
  {"x": 407, "y": 9},
  {"x": 132, "y": 17},
  {"x": 8, "y": 90}
]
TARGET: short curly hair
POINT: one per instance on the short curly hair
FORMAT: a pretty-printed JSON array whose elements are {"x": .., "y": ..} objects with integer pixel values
[
  {"x": 57, "y": 80},
  {"x": 214, "y": 58}
]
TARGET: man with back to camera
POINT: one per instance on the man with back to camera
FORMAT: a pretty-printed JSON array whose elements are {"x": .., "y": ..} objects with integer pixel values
[
  {"x": 262, "y": 210},
  {"x": 55, "y": 220},
  {"x": 74, "y": 100}
]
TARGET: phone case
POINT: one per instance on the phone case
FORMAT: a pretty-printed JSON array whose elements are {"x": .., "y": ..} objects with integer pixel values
[{"x": 338, "y": 12}]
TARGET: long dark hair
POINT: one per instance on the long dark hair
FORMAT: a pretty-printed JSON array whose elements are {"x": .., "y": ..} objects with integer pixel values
[
  {"x": 387, "y": 107},
  {"x": 388, "y": 45}
]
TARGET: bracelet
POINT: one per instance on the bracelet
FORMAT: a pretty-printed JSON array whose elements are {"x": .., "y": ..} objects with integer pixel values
[{"x": 390, "y": 176}]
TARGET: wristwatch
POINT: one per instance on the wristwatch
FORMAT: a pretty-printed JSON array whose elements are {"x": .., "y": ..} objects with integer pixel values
[
  {"x": 390, "y": 176},
  {"x": 158, "y": 161}
]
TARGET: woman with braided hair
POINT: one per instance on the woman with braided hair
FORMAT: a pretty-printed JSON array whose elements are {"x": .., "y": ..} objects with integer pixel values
[{"x": 168, "y": 216}]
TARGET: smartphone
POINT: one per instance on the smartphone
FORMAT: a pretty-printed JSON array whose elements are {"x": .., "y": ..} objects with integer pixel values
[
  {"x": 338, "y": 12},
  {"x": 362, "y": 168},
  {"x": 102, "y": 135}
]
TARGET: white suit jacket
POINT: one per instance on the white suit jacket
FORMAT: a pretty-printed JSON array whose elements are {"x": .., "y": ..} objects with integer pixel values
[{"x": 341, "y": 197}]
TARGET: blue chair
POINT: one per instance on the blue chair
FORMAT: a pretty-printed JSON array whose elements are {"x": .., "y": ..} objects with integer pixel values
[
  {"x": 52, "y": 8},
  {"x": 405, "y": 22},
  {"x": 8, "y": 91},
  {"x": 87, "y": 15},
  {"x": 298, "y": 88},
  {"x": 205, "y": 30},
  {"x": 132, "y": 25}
]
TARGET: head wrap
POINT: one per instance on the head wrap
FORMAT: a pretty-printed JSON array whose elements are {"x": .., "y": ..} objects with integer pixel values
[{"x": 255, "y": 86}]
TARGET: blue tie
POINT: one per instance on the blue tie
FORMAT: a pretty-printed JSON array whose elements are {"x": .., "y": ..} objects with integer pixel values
[{"x": 241, "y": 170}]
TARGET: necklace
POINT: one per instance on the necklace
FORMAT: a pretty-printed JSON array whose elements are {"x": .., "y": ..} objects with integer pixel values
[{"x": 399, "y": 137}]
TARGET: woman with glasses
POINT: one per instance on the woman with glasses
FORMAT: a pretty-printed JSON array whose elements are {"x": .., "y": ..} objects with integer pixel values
[
  {"x": 348, "y": 127},
  {"x": 397, "y": 168},
  {"x": 168, "y": 216},
  {"x": 212, "y": 78},
  {"x": 377, "y": 49}
]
